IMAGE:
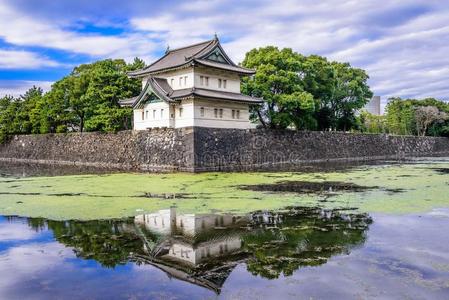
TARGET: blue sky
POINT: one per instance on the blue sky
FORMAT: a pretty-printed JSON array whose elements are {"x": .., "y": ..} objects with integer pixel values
[{"x": 404, "y": 45}]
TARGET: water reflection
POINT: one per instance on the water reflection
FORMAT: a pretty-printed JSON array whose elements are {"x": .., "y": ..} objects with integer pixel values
[{"x": 203, "y": 249}]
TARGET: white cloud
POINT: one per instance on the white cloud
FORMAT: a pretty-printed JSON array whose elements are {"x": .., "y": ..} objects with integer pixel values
[
  {"x": 15, "y": 231},
  {"x": 13, "y": 59},
  {"x": 23, "y": 30},
  {"x": 31, "y": 261},
  {"x": 402, "y": 46},
  {"x": 19, "y": 87}
]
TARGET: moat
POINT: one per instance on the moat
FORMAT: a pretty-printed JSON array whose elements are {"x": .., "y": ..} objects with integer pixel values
[{"x": 365, "y": 231}]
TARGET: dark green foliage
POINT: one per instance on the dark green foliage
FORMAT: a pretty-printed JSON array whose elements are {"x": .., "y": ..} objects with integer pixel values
[
  {"x": 104, "y": 241},
  {"x": 370, "y": 123},
  {"x": 273, "y": 243},
  {"x": 85, "y": 100},
  {"x": 401, "y": 117},
  {"x": 302, "y": 237},
  {"x": 304, "y": 92},
  {"x": 16, "y": 114},
  {"x": 91, "y": 94}
]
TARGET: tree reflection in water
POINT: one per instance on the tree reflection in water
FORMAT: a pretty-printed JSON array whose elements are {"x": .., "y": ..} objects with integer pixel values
[{"x": 204, "y": 248}]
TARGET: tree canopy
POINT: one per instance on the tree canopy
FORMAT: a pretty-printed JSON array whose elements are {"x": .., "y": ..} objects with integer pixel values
[
  {"x": 417, "y": 117},
  {"x": 85, "y": 100},
  {"x": 304, "y": 92},
  {"x": 300, "y": 92}
]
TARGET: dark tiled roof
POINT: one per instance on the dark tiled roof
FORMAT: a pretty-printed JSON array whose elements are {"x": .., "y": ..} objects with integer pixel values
[
  {"x": 176, "y": 58},
  {"x": 185, "y": 56},
  {"x": 226, "y": 96},
  {"x": 216, "y": 95},
  {"x": 223, "y": 66},
  {"x": 163, "y": 84},
  {"x": 128, "y": 102},
  {"x": 161, "y": 88},
  {"x": 178, "y": 94}
]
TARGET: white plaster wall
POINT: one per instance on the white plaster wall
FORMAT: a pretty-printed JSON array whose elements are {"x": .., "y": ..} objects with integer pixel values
[
  {"x": 187, "y": 118},
  {"x": 218, "y": 248},
  {"x": 209, "y": 119},
  {"x": 175, "y": 75},
  {"x": 191, "y": 115},
  {"x": 150, "y": 122},
  {"x": 186, "y": 224},
  {"x": 192, "y": 224},
  {"x": 160, "y": 221},
  {"x": 232, "y": 84},
  {"x": 204, "y": 251},
  {"x": 193, "y": 79}
]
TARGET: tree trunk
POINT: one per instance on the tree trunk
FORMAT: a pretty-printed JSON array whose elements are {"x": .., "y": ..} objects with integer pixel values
[
  {"x": 81, "y": 124},
  {"x": 261, "y": 119}
]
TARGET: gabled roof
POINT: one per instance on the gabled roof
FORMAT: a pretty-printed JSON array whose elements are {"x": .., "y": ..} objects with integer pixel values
[
  {"x": 162, "y": 90},
  {"x": 191, "y": 55},
  {"x": 154, "y": 85}
]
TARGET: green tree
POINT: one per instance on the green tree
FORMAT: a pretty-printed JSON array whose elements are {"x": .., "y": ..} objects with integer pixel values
[
  {"x": 27, "y": 103},
  {"x": 304, "y": 92},
  {"x": 87, "y": 99},
  {"x": 53, "y": 113},
  {"x": 6, "y": 113},
  {"x": 349, "y": 93},
  {"x": 95, "y": 92},
  {"x": 15, "y": 113},
  {"x": 277, "y": 82},
  {"x": 372, "y": 123},
  {"x": 401, "y": 116}
]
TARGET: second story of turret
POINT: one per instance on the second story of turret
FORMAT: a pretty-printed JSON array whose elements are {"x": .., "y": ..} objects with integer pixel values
[{"x": 201, "y": 66}]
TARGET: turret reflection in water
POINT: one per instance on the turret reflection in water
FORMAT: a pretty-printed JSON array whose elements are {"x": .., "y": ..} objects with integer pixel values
[
  {"x": 204, "y": 248},
  {"x": 195, "y": 238}
]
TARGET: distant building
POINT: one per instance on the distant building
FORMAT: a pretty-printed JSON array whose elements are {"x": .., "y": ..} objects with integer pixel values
[
  {"x": 196, "y": 85},
  {"x": 373, "y": 106}
]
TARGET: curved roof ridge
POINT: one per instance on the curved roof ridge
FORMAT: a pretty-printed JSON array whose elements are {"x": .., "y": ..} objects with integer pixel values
[
  {"x": 218, "y": 45},
  {"x": 186, "y": 56},
  {"x": 137, "y": 72},
  {"x": 190, "y": 46},
  {"x": 158, "y": 90},
  {"x": 157, "y": 83},
  {"x": 211, "y": 42}
]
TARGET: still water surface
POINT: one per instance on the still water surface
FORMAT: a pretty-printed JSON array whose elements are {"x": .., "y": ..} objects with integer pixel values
[
  {"x": 293, "y": 253},
  {"x": 296, "y": 253}
]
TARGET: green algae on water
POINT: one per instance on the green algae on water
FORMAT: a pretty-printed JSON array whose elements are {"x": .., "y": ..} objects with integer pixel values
[{"x": 88, "y": 197}]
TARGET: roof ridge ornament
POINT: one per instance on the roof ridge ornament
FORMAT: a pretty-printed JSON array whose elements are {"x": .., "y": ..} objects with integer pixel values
[
  {"x": 168, "y": 49},
  {"x": 215, "y": 36}
]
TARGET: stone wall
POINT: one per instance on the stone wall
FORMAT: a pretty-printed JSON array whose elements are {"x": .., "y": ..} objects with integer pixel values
[
  {"x": 256, "y": 149},
  {"x": 154, "y": 150},
  {"x": 209, "y": 149}
]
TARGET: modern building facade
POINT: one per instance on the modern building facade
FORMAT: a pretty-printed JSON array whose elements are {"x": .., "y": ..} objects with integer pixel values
[
  {"x": 373, "y": 106},
  {"x": 197, "y": 85}
]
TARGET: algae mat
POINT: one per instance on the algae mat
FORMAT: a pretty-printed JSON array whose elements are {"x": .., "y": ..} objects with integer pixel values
[{"x": 406, "y": 188}]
